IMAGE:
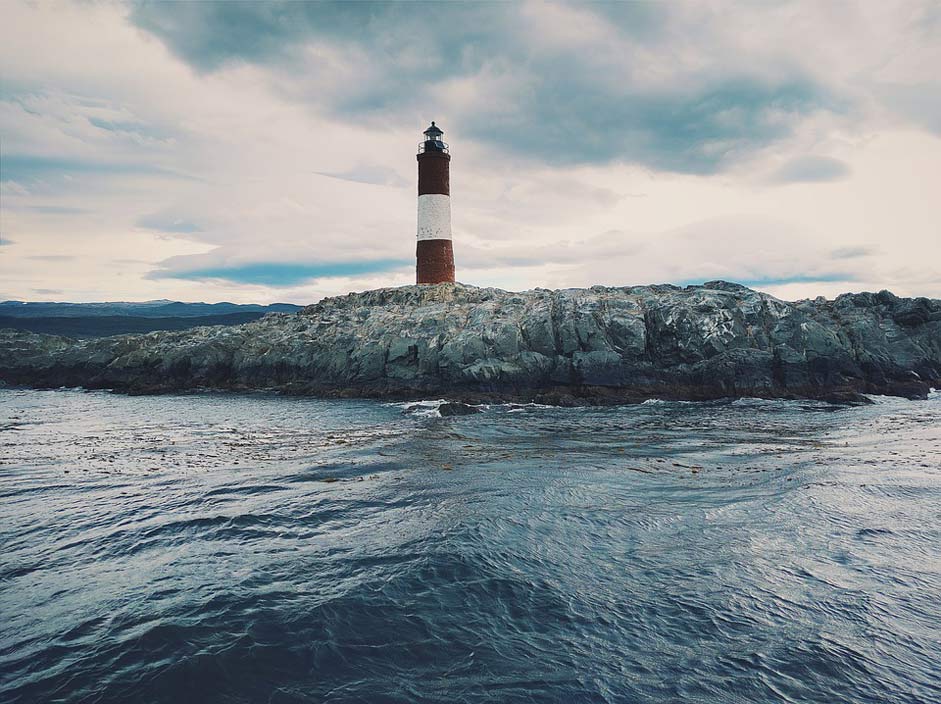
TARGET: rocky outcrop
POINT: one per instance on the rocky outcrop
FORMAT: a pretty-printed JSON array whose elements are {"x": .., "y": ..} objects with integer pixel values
[{"x": 568, "y": 346}]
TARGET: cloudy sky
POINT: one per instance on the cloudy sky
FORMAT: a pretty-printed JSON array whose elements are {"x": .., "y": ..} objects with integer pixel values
[{"x": 266, "y": 152}]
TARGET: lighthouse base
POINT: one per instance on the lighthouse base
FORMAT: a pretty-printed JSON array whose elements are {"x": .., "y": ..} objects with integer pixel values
[{"x": 435, "y": 262}]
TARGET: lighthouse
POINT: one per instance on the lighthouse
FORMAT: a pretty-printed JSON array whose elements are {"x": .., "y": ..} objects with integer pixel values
[{"x": 434, "y": 254}]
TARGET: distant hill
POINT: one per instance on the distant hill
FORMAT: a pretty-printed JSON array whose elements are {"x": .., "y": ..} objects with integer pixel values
[
  {"x": 107, "y": 325},
  {"x": 144, "y": 309},
  {"x": 86, "y": 320}
]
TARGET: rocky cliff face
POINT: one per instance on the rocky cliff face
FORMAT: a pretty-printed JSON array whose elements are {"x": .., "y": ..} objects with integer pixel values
[{"x": 574, "y": 345}]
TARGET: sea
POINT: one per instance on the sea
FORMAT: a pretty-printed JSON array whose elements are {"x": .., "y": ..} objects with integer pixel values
[{"x": 256, "y": 548}]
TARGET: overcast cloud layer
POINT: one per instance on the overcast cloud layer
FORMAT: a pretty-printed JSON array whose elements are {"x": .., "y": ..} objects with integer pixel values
[{"x": 261, "y": 152}]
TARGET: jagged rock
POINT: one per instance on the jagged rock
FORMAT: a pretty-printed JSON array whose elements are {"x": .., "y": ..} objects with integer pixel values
[
  {"x": 457, "y": 409},
  {"x": 597, "y": 345}
]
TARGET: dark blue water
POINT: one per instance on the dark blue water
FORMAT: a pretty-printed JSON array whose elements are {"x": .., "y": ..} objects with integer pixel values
[{"x": 213, "y": 548}]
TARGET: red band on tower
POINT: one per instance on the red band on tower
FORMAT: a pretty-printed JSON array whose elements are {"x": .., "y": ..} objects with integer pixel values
[
  {"x": 435, "y": 261},
  {"x": 434, "y": 173}
]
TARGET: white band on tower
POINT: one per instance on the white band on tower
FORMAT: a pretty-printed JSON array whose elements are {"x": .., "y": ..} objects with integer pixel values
[{"x": 434, "y": 217}]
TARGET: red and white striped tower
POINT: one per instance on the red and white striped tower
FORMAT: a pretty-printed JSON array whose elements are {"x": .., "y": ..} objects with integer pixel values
[{"x": 434, "y": 254}]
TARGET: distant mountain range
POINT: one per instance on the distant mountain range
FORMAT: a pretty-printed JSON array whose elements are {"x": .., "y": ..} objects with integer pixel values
[
  {"x": 144, "y": 309},
  {"x": 86, "y": 320}
]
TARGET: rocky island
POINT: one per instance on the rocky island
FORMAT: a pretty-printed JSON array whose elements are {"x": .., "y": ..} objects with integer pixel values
[{"x": 570, "y": 346}]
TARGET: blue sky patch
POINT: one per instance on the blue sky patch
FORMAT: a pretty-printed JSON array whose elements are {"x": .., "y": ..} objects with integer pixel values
[
  {"x": 23, "y": 167},
  {"x": 763, "y": 281},
  {"x": 285, "y": 274}
]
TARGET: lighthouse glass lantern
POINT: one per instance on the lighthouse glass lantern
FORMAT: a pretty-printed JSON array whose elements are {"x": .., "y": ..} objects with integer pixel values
[
  {"x": 433, "y": 140},
  {"x": 434, "y": 254}
]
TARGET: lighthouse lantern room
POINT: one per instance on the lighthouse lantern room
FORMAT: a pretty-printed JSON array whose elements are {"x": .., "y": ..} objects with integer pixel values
[{"x": 434, "y": 254}]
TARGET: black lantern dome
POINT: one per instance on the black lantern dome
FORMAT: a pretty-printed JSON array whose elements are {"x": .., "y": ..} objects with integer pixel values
[{"x": 433, "y": 141}]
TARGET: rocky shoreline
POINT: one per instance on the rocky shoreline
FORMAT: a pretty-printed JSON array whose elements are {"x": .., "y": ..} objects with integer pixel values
[{"x": 572, "y": 346}]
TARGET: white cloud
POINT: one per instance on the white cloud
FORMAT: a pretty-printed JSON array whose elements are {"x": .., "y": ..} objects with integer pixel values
[{"x": 131, "y": 162}]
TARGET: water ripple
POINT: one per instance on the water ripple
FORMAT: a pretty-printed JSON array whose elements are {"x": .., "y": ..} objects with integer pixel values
[{"x": 220, "y": 548}]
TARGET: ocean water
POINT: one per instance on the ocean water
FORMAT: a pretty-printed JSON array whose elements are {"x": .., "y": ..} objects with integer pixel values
[{"x": 220, "y": 548}]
